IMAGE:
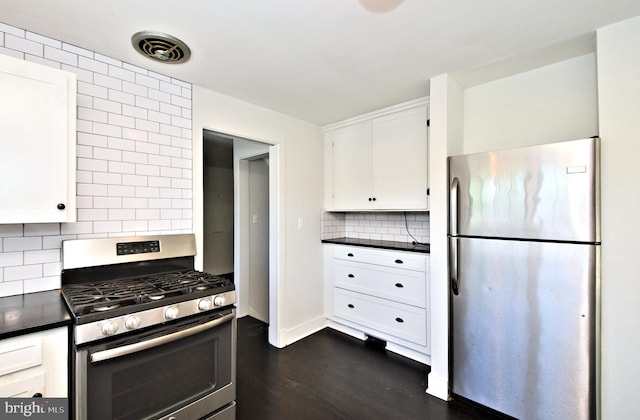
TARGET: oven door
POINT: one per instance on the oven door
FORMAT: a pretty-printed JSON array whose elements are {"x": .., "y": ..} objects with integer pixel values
[{"x": 183, "y": 370}]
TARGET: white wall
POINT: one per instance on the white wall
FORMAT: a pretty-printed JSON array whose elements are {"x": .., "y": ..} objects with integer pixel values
[
  {"x": 301, "y": 189},
  {"x": 554, "y": 103},
  {"x": 619, "y": 107}
]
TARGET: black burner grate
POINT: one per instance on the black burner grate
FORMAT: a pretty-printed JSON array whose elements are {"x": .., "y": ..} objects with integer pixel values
[{"x": 103, "y": 296}]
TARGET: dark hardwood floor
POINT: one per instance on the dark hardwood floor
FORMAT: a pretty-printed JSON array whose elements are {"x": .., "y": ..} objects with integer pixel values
[{"x": 330, "y": 375}]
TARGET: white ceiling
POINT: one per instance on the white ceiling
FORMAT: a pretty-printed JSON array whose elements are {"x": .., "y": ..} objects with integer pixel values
[{"x": 327, "y": 60}]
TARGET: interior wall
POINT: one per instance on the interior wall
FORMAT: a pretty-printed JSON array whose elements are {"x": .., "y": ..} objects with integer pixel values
[
  {"x": 619, "y": 107},
  {"x": 300, "y": 189},
  {"x": 259, "y": 239},
  {"x": 553, "y": 103},
  {"x": 218, "y": 204}
]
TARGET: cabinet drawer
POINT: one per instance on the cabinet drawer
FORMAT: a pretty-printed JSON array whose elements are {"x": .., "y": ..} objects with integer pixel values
[
  {"x": 402, "y": 260},
  {"x": 20, "y": 353},
  {"x": 404, "y": 286},
  {"x": 402, "y": 321}
]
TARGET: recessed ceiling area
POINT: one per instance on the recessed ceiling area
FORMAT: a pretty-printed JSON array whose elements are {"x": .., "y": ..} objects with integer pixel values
[{"x": 323, "y": 61}]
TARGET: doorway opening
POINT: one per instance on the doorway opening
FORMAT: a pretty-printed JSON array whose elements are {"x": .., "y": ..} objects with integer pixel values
[{"x": 237, "y": 228}]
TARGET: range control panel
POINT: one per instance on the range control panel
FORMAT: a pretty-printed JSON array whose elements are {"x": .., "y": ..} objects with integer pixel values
[{"x": 128, "y": 248}]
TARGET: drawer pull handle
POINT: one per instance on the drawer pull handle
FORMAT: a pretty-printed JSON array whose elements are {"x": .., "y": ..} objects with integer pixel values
[
  {"x": 400, "y": 320},
  {"x": 351, "y": 276},
  {"x": 400, "y": 285},
  {"x": 399, "y": 262},
  {"x": 351, "y": 306},
  {"x": 349, "y": 255}
]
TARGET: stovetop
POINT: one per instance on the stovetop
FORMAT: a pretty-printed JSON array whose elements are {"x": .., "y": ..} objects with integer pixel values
[
  {"x": 104, "y": 296},
  {"x": 104, "y": 299}
]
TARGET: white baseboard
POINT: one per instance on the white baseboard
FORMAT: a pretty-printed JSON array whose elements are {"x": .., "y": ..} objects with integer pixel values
[
  {"x": 303, "y": 330},
  {"x": 438, "y": 387}
]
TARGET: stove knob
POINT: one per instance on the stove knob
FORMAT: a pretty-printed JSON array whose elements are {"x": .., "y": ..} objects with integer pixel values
[
  {"x": 218, "y": 300},
  {"x": 204, "y": 304},
  {"x": 109, "y": 328},
  {"x": 171, "y": 312},
  {"x": 132, "y": 322}
]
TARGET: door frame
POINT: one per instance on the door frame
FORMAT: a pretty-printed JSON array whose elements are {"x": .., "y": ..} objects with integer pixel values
[{"x": 276, "y": 251}]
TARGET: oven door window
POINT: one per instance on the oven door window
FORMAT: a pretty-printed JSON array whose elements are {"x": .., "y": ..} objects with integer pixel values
[{"x": 161, "y": 379}]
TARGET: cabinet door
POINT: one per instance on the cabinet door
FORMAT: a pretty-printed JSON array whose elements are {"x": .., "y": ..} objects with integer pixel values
[
  {"x": 352, "y": 167},
  {"x": 37, "y": 146},
  {"x": 400, "y": 160}
]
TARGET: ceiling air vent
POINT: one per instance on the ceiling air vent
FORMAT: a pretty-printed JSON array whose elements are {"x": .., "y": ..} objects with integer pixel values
[{"x": 161, "y": 47}]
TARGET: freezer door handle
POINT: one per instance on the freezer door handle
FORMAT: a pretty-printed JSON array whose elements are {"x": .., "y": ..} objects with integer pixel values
[
  {"x": 453, "y": 266},
  {"x": 453, "y": 206}
]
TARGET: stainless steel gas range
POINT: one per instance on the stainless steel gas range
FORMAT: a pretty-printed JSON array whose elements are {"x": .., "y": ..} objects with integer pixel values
[{"x": 153, "y": 338}]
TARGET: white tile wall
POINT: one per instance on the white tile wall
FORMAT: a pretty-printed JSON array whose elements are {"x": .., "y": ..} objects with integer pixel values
[
  {"x": 385, "y": 226},
  {"x": 134, "y": 167}
]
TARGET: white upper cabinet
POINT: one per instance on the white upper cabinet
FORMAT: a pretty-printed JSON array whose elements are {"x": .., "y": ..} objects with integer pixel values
[
  {"x": 379, "y": 162},
  {"x": 37, "y": 143}
]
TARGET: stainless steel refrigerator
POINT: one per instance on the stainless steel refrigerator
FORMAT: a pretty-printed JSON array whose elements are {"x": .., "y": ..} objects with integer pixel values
[{"x": 524, "y": 252}]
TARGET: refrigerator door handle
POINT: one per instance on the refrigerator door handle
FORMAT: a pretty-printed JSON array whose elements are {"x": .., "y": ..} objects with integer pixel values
[
  {"x": 453, "y": 266},
  {"x": 453, "y": 206}
]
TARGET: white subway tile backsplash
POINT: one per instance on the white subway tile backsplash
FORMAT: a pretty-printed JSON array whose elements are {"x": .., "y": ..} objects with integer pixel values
[
  {"x": 40, "y": 284},
  {"x": 41, "y": 229},
  {"x": 9, "y": 288},
  {"x": 21, "y": 244},
  {"x": 87, "y": 215},
  {"x": 23, "y": 272},
  {"x": 52, "y": 269},
  {"x": 122, "y": 167},
  {"x": 89, "y": 114},
  {"x": 385, "y": 226},
  {"x": 78, "y": 228},
  {"x": 120, "y": 144},
  {"x": 147, "y": 125},
  {"x": 122, "y": 214},
  {"x": 107, "y": 81},
  {"x": 122, "y": 97},
  {"x": 11, "y": 259},
  {"x": 135, "y": 180},
  {"x": 88, "y": 63},
  {"x": 23, "y": 45},
  {"x": 77, "y": 50},
  {"x": 42, "y": 256},
  {"x": 147, "y": 170},
  {"x": 147, "y": 81},
  {"x": 135, "y": 226},
  {"x": 106, "y": 154},
  {"x": 134, "y": 89},
  {"x": 107, "y": 226},
  {"x": 123, "y": 74},
  {"x": 12, "y": 30},
  {"x": 108, "y": 60},
  {"x": 133, "y": 158},
  {"x": 91, "y": 89},
  {"x": 60, "y": 56},
  {"x": 121, "y": 190},
  {"x": 51, "y": 242}
]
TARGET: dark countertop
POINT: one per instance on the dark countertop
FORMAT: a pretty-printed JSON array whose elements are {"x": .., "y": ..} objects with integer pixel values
[
  {"x": 398, "y": 246},
  {"x": 32, "y": 312}
]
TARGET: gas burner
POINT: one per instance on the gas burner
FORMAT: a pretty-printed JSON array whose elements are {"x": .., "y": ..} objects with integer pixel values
[{"x": 104, "y": 308}]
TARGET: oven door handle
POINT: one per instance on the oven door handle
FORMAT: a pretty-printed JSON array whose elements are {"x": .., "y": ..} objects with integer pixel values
[{"x": 103, "y": 355}]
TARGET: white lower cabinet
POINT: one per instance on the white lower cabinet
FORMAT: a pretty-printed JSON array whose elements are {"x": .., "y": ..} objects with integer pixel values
[
  {"x": 35, "y": 363},
  {"x": 382, "y": 294}
]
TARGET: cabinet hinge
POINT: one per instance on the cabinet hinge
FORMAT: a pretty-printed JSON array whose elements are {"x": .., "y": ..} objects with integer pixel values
[
  {"x": 428, "y": 191},
  {"x": 428, "y": 122}
]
